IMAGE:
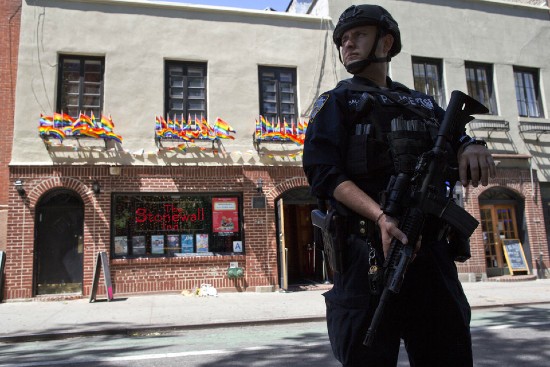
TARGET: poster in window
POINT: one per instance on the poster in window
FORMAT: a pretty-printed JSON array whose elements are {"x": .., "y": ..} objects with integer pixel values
[
  {"x": 225, "y": 215},
  {"x": 138, "y": 245},
  {"x": 157, "y": 244},
  {"x": 121, "y": 245},
  {"x": 202, "y": 242},
  {"x": 237, "y": 246},
  {"x": 173, "y": 243},
  {"x": 187, "y": 244}
]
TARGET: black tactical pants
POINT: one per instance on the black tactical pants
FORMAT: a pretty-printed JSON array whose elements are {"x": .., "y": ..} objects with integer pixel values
[{"x": 431, "y": 313}]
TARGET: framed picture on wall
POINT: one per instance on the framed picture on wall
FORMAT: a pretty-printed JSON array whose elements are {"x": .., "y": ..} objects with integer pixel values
[
  {"x": 138, "y": 245},
  {"x": 187, "y": 244},
  {"x": 121, "y": 245},
  {"x": 173, "y": 243},
  {"x": 157, "y": 244},
  {"x": 202, "y": 242}
]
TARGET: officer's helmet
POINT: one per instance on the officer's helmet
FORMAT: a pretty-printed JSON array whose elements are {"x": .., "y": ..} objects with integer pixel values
[{"x": 360, "y": 15}]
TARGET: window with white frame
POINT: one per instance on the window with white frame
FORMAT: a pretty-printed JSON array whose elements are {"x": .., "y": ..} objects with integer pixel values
[
  {"x": 428, "y": 78},
  {"x": 479, "y": 78},
  {"x": 528, "y": 92}
]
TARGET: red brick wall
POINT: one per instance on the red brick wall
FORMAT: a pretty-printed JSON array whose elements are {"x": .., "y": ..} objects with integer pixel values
[
  {"x": 10, "y": 15},
  {"x": 178, "y": 274},
  {"x": 155, "y": 274},
  {"x": 518, "y": 181}
]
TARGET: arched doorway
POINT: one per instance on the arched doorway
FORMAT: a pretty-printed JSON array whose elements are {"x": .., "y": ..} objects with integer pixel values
[
  {"x": 299, "y": 262},
  {"x": 59, "y": 245},
  {"x": 502, "y": 213}
]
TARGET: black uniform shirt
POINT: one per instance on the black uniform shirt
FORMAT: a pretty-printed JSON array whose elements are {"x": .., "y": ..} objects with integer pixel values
[{"x": 332, "y": 121}]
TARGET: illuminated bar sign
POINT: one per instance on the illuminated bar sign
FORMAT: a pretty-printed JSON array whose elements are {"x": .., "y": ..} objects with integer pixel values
[{"x": 169, "y": 217}]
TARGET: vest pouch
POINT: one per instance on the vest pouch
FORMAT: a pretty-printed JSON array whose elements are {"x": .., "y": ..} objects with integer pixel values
[
  {"x": 356, "y": 162},
  {"x": 366, "y": 156},
  {"x": 406, "y": 147}
]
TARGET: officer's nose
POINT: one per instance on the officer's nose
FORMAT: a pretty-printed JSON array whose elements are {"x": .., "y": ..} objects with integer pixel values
[{"x": 348, "y": 43}]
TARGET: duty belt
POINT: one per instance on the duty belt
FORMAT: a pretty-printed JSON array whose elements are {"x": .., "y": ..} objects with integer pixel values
[
  {"x": 360, "y": 226},
  {"x": 365, "y": 228}
]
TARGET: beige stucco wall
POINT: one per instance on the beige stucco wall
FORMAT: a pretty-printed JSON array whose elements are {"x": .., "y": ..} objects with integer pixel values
[
  {"x": 136, "y": 37},
  {"x": 500, "y": 33}
]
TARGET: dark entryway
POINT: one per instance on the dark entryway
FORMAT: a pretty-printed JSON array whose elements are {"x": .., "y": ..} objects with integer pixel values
[
  {"x": 59, "y": 243},
  {"x": 302, "y": 262}
]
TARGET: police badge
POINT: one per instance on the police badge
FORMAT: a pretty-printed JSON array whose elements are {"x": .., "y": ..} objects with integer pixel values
[{"x": 323, "y": 98}]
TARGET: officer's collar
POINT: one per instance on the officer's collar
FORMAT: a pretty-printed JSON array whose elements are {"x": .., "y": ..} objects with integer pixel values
[{"x": 391, "y": 84}]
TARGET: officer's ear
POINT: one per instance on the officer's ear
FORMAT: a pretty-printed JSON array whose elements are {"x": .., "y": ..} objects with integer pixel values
[{"x": 387, "y": 42}]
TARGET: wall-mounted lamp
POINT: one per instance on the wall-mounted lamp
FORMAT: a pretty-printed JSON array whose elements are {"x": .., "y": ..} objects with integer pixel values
[
  {"x": 96, "y": 188},
  {"x": 260, "y": 186},
  {"x": 19, "y": 187}
]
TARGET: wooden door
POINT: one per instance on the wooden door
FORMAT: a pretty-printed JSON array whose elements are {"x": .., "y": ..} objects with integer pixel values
[{"x": 498, "y": 223}]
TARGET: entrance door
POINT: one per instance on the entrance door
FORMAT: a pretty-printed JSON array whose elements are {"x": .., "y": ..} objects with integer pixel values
[
  {"x": 59, "y": 244},
  {"x": 498, "y": 222},
  {"x": 304, "y": 262}
]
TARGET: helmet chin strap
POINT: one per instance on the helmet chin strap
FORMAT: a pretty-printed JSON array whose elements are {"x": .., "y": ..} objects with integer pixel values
[{"x": 358, "y": 66}]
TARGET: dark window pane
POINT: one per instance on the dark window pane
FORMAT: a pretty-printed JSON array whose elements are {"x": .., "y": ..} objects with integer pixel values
[
  {"x": 81, "y": 85},
  {"x": 277, "y": 94},
  {"x": 185, "y": 90}
]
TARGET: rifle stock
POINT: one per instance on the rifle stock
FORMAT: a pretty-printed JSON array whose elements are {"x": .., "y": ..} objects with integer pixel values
[{"x": 458, "y": 114}]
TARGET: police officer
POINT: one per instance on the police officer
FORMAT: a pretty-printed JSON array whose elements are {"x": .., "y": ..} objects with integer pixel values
[{"x": 348, "y": 160}]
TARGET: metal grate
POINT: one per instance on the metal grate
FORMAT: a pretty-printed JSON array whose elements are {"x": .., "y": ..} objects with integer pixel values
[
  {"x": 489, "y": 125},
  {"x": 538, "y": 128}
]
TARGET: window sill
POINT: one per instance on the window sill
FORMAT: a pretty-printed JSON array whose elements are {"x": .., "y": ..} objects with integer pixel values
[
  {"x": 533, "y": 119},
  {"x": 178, "y": 259}
]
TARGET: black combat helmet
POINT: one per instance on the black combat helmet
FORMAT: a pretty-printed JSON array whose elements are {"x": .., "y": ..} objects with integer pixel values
[{"x": 361, "y": 15}]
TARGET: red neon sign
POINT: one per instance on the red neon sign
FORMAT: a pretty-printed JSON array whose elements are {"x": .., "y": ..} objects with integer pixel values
[{"x": 170, "y": 218}]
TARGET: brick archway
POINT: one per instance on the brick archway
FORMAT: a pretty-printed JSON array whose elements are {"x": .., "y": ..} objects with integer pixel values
[{"x": 85, "y": 192}]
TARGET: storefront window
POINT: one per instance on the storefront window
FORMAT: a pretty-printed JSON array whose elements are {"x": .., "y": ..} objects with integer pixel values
[{"x": 150, "y": 225}]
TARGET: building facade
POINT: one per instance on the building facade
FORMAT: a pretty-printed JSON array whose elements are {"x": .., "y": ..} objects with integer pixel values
[{"x": 169, "y": 136}]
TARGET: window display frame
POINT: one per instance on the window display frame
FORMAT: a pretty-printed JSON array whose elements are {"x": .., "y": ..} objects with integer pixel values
[{"x": 159, "y": 217}]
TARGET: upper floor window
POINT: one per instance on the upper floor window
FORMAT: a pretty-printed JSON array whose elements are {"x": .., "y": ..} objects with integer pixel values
[
  {"x": 80, "y": 87},
  {"x": 527, "y": 92},
  {"x": 428, "y": 78},
  {"x": 479, "y": 78},
  {"x": 185, "y": 93},
  {"x": 278, "y": 94}
]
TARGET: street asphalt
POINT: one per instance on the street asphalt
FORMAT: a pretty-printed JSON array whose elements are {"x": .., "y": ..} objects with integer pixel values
[{"x": 27, "y": 320}]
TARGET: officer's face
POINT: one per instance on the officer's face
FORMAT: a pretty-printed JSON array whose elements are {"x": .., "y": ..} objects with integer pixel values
[{"x": 357, "y": 43}]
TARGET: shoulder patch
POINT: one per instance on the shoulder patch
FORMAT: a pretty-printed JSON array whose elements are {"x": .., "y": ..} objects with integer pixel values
[{"x": 323, "y": 98}]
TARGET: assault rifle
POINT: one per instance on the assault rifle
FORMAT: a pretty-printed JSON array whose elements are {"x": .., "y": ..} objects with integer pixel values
[{"x": 411, "y": 198}]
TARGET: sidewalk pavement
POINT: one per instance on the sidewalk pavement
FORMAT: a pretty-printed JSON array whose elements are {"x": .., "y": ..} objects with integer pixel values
[{"x": 35, "y": 320}]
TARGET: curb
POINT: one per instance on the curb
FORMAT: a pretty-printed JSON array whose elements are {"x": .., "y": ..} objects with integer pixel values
[
  {"x": 143, "y": 331},
  {"x": 154, "y": 329}
]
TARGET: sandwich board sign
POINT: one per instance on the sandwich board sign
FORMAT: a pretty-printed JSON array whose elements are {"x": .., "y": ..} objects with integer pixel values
[
  {"x": 515, "y": 257},
  {"x": 102, "y": 261}
]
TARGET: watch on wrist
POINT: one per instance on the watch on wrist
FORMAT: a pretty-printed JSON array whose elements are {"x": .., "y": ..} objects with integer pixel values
[{"x": 475, "y": 141}]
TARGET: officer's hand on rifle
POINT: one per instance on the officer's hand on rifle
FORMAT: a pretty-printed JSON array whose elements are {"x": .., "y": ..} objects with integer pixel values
[
  {"x": 389, "y": 229},
  {"x": 476, "y": 160}
]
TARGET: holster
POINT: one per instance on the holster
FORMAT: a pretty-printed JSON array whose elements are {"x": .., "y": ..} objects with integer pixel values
[{"x": 332, "y": 228}]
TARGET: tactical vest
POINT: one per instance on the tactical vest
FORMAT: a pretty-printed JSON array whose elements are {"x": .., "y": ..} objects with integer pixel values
[{"x": 385, "y": 139}]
